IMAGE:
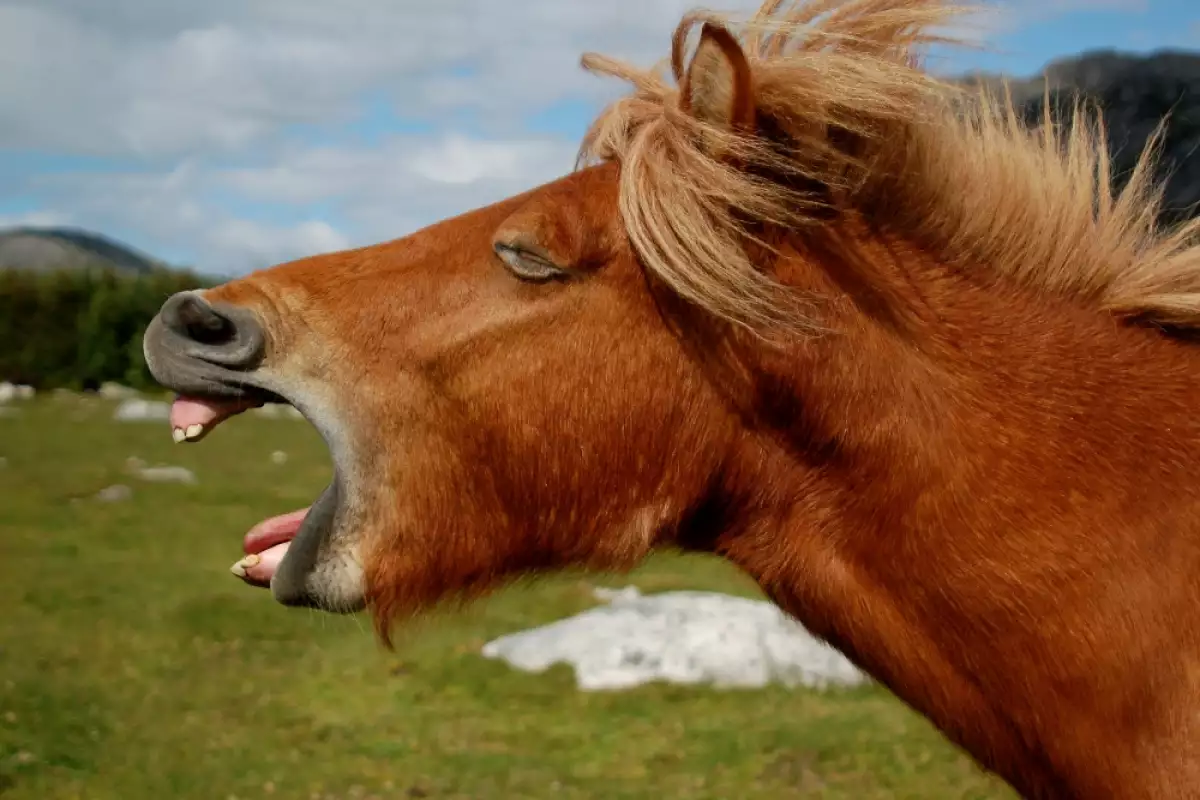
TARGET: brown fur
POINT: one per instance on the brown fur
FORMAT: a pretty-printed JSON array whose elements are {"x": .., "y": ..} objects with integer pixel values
[{"x": 979, "y": 484}]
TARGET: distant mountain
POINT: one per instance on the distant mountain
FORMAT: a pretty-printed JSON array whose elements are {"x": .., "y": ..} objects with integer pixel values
[
  {"x": 1134, "y": 93},
  {"x": 48, "y": 249}
]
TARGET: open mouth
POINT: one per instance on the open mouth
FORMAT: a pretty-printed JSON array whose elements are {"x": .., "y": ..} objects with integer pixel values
[
  {"x": 265, "y": 545},
  {"x": 211, "y": 354}
]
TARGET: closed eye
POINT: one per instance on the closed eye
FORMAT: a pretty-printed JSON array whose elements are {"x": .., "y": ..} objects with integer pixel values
[{"x": 529, "y": 266}]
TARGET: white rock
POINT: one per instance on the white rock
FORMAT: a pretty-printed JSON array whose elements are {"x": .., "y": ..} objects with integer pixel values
[
  {"x": 629, "y": 593},
  {"x": 279, "y": 457},
  {"x": 15, "y": 391},
  {"x": 115, "y": 391},
  {"x": 166, "y": 474},
  {"x": 138, "y": 410},
  {"x": 679, "y": 637},
  {"x": 114, "y": 494}
]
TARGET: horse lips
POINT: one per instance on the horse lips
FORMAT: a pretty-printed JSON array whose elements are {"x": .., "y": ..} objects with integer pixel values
[{"x": 193, "y": 417}]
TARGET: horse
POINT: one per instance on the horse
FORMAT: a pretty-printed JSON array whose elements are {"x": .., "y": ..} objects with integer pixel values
[{"x": 924, "y": 371}]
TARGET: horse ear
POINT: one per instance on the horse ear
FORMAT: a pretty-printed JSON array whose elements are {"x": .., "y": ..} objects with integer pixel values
[{"x": 717, "y": 88}]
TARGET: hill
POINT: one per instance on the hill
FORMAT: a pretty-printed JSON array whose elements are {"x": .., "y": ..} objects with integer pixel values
[{"x": 50, "y": 249}]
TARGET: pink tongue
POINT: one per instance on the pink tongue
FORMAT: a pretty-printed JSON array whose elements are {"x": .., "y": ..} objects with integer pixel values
[
  {"x": 273, "y": 531},
  {"x": 268, "y": 543},
  {"x": 187, "y": 411}
]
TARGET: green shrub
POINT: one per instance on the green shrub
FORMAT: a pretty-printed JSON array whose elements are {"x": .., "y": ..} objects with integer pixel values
[{"x": 79, "y": 328}]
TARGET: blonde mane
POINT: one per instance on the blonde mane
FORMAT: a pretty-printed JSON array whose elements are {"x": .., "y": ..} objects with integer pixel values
[{"x": 851, "y": 126}]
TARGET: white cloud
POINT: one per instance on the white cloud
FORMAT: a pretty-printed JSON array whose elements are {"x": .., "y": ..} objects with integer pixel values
[
  {"x": 255, "y": 245},
  {"x": 458, "y": 160},
  {"x": 151, "y": 77},
  {"x": 400, "y": 168},
  {"x": 999, "y": 17},
  {"x": 377, "y": 193},
  {"x": 200, "y": 104},
  {"x": 34, "y": 219}
]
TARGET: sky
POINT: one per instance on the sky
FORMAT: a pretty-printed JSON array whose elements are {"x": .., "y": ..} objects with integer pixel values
[{"x": 230, "y": 135}]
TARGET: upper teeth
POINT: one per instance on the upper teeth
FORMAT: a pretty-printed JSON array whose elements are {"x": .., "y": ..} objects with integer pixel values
[{"x": 191, "y": 432}]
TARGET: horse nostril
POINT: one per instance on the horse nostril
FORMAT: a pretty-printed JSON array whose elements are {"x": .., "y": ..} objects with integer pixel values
[
  {"x": 228, "y": 336},
  {"x": 197, "y": 320}
]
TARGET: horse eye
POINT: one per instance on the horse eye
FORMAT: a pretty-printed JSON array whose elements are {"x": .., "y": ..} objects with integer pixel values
[{"x": 528, "y": 266}]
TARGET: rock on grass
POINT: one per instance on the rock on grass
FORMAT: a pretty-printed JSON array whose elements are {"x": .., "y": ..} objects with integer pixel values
[{"x": 679, "y": 637}]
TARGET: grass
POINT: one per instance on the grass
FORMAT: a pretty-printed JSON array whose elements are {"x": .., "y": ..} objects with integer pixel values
[{"x": 132, "y": 665}]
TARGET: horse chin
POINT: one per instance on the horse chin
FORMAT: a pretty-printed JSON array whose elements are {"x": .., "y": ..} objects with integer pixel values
[{"x": 321, "y": 568}]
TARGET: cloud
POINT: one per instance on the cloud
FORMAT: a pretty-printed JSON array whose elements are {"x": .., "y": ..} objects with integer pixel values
[
  {"x": 258, "y": 245},
  {"x": 374, "y": 194},
  {"x": 154, "y": 78},
  {"x": 398, "y": 167},
  {"x": 232, "y": 134},
  {"x": 235, "y": 133},
  {"x": 34, "y": 219},
  {"x": 1010, "y": 16}
]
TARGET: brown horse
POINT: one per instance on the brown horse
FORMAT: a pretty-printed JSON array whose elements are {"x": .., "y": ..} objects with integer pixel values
[{"x": 919, "y": 370}]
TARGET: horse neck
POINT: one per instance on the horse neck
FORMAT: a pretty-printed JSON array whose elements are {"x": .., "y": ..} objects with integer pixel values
[{"x": 945, "y": 492}]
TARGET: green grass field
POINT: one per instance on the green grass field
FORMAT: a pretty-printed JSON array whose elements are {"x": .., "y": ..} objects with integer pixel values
[{"x": 133, "y": 665}]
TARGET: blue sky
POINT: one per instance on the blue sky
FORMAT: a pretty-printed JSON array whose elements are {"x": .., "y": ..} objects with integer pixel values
[{"x": 233, "y": 134}]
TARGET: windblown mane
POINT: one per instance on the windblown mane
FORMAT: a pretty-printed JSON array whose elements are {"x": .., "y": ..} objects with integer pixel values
[{"x": 851, "y": 126}]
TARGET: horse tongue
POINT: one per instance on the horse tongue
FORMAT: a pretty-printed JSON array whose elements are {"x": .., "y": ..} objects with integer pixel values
[
  {"x": 265, "y": 546},
  {"x": 273, "y": 531}
]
